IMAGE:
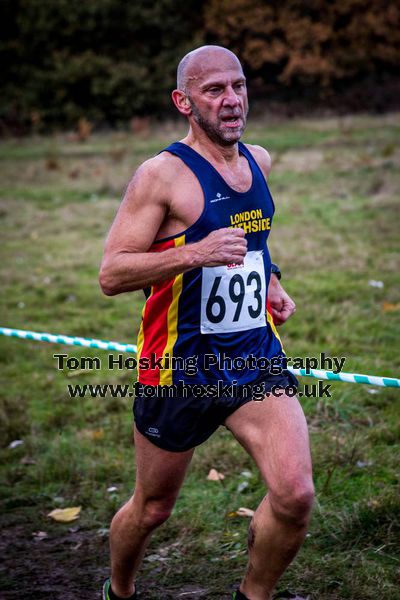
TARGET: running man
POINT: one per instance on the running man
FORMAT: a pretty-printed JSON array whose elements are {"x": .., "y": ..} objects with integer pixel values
[{"x": 192, "y": 232}]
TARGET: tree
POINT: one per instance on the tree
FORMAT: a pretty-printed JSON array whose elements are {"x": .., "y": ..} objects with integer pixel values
[
  {"x": 318, "y": 42},
  {"x": 103, "y": 59}
]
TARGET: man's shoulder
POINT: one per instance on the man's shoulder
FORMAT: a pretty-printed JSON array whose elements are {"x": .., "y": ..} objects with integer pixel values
[
  {"x": 163, "y": 167},
  {"x": 262, "y": 157},
  {"x": 155, "y": 179}
]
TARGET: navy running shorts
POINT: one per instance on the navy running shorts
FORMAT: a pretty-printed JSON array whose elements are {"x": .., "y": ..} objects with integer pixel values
[{"x": 188, "y": 419}]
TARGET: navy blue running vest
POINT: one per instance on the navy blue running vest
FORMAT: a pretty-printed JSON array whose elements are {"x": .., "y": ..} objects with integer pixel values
[{"x": 200, "y": 326}]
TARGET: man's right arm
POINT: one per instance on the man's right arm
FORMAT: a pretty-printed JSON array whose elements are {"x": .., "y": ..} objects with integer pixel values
[{"x": 128, "y": 265}]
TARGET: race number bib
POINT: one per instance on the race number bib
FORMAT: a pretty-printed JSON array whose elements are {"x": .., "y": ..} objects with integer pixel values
[{"x": 233, "y": 296}]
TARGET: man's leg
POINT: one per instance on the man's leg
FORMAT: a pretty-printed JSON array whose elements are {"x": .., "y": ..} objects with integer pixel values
[
  {"x": 159, "y": 476},
  {"x": 275, "y": 434}
]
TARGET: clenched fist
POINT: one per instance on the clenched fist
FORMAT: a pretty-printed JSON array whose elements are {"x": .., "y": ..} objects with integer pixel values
[
  {"x": 221, "y": 247},
  {"x": 281, "y": 304}
]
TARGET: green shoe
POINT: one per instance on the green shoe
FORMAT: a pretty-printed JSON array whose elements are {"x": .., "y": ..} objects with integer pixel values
[
  {"x": 107, "y": 588},
  {"x": 238, "y": 595}
]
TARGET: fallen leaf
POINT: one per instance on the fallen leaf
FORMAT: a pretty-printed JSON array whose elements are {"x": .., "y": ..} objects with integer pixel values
[
  {"x": 244, "y": 512},
  {"x": 232, "y": 514},
  {"x": 390, "y": 307},
  {"x": 103, "y": 532},
  {"x": 58, "y": 499},
  {"x": 65, "y": 515},
  {"x": 376, "y": 284},
  {"x": 373, "y": 503},
  {"x": 213, "y": 475},
  {"x": 156, "y": 558},
  {"x": 246, "y": 474},
  {"x": 15, "y": 444},
  {"x": 91, "y": 434},
  {"x": 77, "y": 546},
  {"x": 40, "y": 535},
  {"x": 361, "y": 464},
  {"x": 242, "y": 486},
  {"x": 27, "y": 460},
  {"x": 240, "y": 512}
]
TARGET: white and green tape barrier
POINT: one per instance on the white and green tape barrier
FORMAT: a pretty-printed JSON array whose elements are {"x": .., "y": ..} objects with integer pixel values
[
  {"x": 347, "y": 377},
  {"x": 68, "y": 340},
  {"x": 116, "y": 346}
]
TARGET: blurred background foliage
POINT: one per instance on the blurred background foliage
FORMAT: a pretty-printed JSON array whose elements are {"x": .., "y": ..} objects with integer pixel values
[{"x": 110, "y": 60}]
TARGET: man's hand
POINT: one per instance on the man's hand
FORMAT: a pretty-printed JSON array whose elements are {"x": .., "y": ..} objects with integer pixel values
[
  {"x": 282, "y": 306},
  {"x": 220, "y": 247}
]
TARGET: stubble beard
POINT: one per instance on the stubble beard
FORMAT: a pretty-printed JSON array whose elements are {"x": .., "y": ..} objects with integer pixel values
[{"x": 217, "y": 135}]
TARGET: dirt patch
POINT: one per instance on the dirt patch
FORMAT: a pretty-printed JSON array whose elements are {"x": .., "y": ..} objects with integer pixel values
[
  {"x": 72, "y": 565},
  {"x": 67, "y": 566}
]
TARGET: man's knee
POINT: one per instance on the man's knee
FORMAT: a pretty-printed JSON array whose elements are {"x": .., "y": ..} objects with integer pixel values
[
  {"x": 155, "y": 512},
  {"x": 294, "y": 503}
]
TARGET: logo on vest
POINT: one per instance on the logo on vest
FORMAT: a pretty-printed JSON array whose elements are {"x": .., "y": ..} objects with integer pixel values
[{"x": 219, "y": 197}]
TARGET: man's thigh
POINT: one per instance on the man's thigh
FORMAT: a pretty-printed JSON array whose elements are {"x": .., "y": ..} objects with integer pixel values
[
  {"x": 159, "y": 473},
  {"x": 274, "y": 432}
]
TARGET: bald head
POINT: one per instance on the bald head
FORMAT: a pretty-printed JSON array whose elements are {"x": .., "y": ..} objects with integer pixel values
[{"x": 199, "y": 62}]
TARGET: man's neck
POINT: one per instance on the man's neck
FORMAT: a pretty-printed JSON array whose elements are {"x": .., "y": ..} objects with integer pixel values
[{"x": 215, "y": 153}]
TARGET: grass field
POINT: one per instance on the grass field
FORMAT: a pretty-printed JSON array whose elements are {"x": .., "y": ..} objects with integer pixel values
[{"x": 336, "y": 186}]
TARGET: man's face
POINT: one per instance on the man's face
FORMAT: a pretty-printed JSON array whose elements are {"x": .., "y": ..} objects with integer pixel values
[{"x": 219, "y": 104}]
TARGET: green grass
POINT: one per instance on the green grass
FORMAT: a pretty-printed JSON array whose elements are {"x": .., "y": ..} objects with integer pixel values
[{"x": 336, "y": 187}]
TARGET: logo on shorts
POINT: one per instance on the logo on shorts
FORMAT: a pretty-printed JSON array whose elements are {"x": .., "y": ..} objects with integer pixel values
[
  {"x": 219, "y": 197},
  {"x": 153, "y": 431}
]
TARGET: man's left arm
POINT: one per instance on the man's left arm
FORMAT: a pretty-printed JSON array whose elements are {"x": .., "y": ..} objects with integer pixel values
[{"x": 281, "y": 304}]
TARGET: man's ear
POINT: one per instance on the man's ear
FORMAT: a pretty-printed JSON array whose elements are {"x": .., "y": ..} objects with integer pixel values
[{"x": 182, "y": 102}]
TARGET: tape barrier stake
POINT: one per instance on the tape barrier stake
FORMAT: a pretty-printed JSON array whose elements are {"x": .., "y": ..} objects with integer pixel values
[{"x": 132, "y": 348}]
